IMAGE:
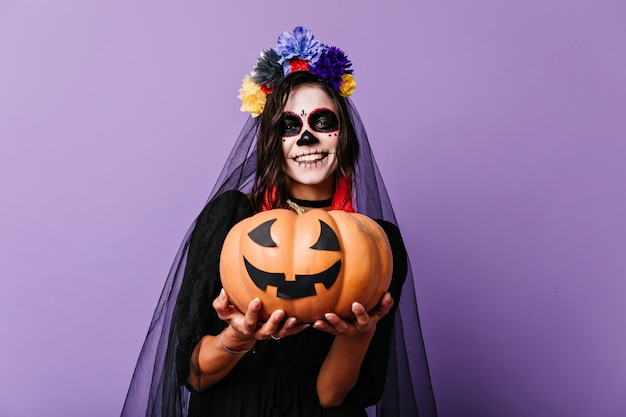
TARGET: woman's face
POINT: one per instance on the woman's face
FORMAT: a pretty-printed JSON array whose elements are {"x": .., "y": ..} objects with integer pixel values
[{"x": 310, "y": 131}]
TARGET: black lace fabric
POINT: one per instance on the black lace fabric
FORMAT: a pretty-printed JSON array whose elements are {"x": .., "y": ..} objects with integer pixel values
[{"x": 155, "y": 391}]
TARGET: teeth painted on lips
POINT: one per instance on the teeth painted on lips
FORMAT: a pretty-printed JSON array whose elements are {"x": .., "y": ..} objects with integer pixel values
[{"x": 313, "y": 157}]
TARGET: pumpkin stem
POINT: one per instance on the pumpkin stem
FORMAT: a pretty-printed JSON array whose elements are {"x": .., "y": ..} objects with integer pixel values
[{"x": 299, "y": 210}]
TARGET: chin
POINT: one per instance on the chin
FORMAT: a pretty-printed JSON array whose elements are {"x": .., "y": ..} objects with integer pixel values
[
  {"x": 310, "y": 178},
  {"x": 309, "y": 181}
]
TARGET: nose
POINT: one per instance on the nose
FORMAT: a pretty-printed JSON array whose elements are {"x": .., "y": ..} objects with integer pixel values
[{"x": 307, "y": 139}]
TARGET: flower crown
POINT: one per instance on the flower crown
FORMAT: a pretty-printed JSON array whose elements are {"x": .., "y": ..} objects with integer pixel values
[{"x": 295, "y": 51}]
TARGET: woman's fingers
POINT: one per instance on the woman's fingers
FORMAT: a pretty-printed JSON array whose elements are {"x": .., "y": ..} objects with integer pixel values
[
  {"x": 321, "y": 325},
  {"x": 251, "y": 317},
  {"x": 290, "y": 323},
  {"x": 222, "y": 307},
  {"x": 363, "y": 321},
  {"x": 292, "y": 326},
  {"x": 278, "y": 327},
  {"x": 385, "y": 305},
  {"x": 362, "y": 318},
  {"x": 248, "y": 325},
  {"x": 271, "y": 325},
  {"x": 337, "y": 322}
]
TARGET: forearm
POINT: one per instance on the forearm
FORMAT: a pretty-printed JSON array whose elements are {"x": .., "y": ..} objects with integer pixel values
[
  {"x": 212, "y": 360},
  {"x": 340, "y": 369}
]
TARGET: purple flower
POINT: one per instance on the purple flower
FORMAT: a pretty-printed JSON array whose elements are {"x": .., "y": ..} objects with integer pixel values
[
  {"x": 331, "y": 66},
  {"x": 267, "y": 70},
  {"x": 298, "y": 44}
]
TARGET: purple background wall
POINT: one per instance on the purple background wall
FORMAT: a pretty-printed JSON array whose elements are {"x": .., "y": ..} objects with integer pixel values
[{"x": 498, "y": 125}]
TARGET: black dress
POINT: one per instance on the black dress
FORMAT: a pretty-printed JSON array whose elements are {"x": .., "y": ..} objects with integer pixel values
[{"x": 277, "y": 378}]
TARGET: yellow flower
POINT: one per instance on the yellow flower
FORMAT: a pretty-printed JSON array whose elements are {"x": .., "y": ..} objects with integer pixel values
[
  {"x": 347, "y": 85},
  {"x": 251, "y": 96}
]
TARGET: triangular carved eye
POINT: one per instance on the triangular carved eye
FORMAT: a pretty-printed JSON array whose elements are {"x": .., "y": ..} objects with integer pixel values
[
  {"x": 328, "y": 239},
  {"x": 261, "y": 234}
]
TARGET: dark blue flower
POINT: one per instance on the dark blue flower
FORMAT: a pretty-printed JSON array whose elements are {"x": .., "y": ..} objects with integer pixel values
[
  {"x": 298, "y": 44},
  {"x": 331, "y": 66}
]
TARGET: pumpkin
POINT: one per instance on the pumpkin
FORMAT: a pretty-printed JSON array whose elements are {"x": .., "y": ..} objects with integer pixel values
[{"x": 307, "y": 265}]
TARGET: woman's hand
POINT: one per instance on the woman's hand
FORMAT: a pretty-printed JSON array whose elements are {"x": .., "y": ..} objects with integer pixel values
[
  {"x": 363, "y": 323},
  {"x": 247, "y": 325}
]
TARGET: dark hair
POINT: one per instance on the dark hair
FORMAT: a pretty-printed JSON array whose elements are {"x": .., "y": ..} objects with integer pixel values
[{"x": 269, "y": 154}]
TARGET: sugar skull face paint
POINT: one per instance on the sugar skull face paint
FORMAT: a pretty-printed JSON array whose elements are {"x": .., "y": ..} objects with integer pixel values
[
  {"x": 292, "y": 124},
  {"x": 310, "y": 135},
  {"x": 321, "y": 120}
]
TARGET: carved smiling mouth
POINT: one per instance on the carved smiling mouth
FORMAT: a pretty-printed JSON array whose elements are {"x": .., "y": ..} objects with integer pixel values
[{"x": 303, "y": 286}]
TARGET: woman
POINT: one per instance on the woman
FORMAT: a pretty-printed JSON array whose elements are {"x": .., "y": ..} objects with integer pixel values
[{"x": 227, "y": 362}]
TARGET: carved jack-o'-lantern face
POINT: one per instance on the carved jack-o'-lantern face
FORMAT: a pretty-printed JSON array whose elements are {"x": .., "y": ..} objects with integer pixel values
[
  {"x": 304, "y": 284},
  {"x": 306, "y": 265}
]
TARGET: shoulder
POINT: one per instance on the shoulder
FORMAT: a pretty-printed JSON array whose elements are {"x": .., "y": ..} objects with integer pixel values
[
  {"x": 392, "y": 231},
  {"x": 398, "y": 250},
  {"x": 230, "y": 198},
  {"x": 223, "y": 211},
  {"x": 226, "y": 202}
]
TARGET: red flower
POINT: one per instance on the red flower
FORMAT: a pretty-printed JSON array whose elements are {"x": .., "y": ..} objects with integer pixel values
[
  {"x": 266, "y": 90},
  {"x": 298, "y": 64}
]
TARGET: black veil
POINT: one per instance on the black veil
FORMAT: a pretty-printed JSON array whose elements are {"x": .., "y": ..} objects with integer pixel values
[{"x": 154, "y": 390}]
